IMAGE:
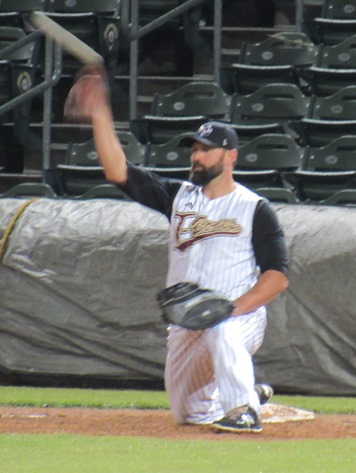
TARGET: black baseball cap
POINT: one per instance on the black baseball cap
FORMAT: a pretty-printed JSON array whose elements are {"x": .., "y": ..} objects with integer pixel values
[{"x": 215, "y": 134}]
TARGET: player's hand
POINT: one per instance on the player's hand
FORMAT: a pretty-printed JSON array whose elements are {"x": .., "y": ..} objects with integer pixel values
[{"x": 89, "y": 94}]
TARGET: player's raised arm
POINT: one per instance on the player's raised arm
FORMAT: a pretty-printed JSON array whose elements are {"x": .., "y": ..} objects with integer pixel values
[{"x": 89, "y": 100}]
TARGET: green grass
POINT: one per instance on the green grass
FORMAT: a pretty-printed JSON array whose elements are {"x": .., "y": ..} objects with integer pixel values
[
  {"x": 61, "y": 453},
  {"x": 121, "y": 399},
  {"x": 63, "y": 397},
  {"x": 77, "y": 454}
]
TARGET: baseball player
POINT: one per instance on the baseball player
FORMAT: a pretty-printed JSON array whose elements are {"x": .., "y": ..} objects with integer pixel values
[{"x": 222, "y": 236}]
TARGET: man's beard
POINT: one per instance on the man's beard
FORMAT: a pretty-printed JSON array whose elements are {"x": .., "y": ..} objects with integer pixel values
[{"x": 202, "y": 177}]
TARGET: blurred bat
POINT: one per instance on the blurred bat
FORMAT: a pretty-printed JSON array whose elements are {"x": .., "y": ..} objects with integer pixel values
[{"x": 67, "y": 40}]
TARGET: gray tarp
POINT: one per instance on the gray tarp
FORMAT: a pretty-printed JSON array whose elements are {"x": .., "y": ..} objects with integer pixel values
[{"x": 78, "y": 282}]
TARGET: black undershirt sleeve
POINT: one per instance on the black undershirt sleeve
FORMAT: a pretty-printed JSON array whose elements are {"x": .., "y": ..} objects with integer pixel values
[
  {"x": 268, "y": 240},
  {"x": 150, "y": 190}
]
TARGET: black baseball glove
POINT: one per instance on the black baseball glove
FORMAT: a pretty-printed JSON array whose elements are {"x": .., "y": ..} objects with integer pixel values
[{"x": 191, "y": 307}]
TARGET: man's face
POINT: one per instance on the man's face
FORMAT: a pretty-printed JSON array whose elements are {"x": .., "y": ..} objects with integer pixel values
[{"x": 207, "y": 164}]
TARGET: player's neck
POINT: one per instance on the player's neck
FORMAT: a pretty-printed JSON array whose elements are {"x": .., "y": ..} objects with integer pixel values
[{"x": 220, "y": 186}]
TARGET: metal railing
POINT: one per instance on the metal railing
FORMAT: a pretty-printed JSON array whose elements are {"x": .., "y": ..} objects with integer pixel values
[
  {"x": 132, "y": 30},
  {"x": 52, "y": 74}
]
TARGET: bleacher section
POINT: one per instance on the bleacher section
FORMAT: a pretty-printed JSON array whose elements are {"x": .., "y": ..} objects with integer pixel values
[{"x": 274, "y": 80}]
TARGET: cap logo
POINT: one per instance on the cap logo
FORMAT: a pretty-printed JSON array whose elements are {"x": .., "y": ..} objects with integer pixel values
[
  {"x": 225, "y": 142},
  {"x": 206, "y": 130}
]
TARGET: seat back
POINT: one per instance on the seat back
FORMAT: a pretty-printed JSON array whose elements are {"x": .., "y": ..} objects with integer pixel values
[
  {"x": 95, "y": 22},
  {"x": 22, "y": 5},
  {"x": 293, "y": 48},
  {"x": 135, "y": 151},
  {"x": 338, "y": 56},
  {"x": 84, "y": 154},
  {"x": 278, "y": 195},
  {"x": 99, "y": 32},
  {"x": 345, "y": 198},
  {"x": 263, "y": 161},
  {"x": 81, "y": 6},
  {"x": 245, "y": 79},
  {"x": 318, "y": 133},
  {"x": 329, "y": 31},
  {"x": 17, "y": 75},
  {"x": 327, "y": 170},
  {"x": 339, "y": 106},
  {"x": 248, "y": 131},
  {"x": 324, "y": 81},
  {"x": 339, "y": 9},
  {"x": 338, "y": 155},
  {"x": 271, "y": 103},
  {"x": 173, "y": 154},
  {"x": 152, "y": 129},
  {"x": 104, "y": 191},
  {"x": 30, "y": 189},
  {"x": 12, "y": 13},
  {"x": 8, "y": 36},
  {"x": 270, "y": 151},
  {"x": 195, "y": 98},
  {"x": 149, "y": 10}
]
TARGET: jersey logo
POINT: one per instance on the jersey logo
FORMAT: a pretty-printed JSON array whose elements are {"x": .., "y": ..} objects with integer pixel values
[{"x": 192, "y": 228}]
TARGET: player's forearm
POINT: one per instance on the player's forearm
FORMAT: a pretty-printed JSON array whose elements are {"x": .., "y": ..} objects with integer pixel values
[
  {"x": 108, "y": 147},
  {"x": 270, "y": 285}
]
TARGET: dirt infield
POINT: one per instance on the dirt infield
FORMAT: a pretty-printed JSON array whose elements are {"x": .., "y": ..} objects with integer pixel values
[{"x": 160, "y": 423}]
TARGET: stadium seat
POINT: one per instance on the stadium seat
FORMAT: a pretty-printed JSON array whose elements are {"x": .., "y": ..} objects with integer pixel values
[
  {"x": 82, "y": 169},
  {"x": 339, "y": 9},
  {"x": 329, "y": 31},
  {"x": 275, "y": 59},
  {"x": 263, "y": 161},
  {"x": 109, "y": 7},
  {"x": 18, "y": 74},
  {"x": 30, "y": 189},
  {"x": 338, "y": 56},
  {"x": 280, "y": 195},
  {"x": 345, "y": 197},
  {"x": 77, "y": 178},
  {"x": 244, "y": 79},
  {"x": 247, "y": 131},
  {"x": 104, "y": 191},
  {"x": 135, "y": 151},
  {"x": 12, "y": 12},
  {"x": 96, "y": 22},
  {"x": 194, "y": 98},
  {"x": 318, "y": 133},
  {"x": 271, "y": 103},
  {"x": 150, "y": 129},
  {"x": 149, "y": 10},
  {"x": 323, "y": 81},
  {"x": 279, "y": 49},
  {"x": 183, "y": 110},
  {"x": 316, "y": 186},
  {"x": 339, "y": 106},
  {"x": 326, "y": 170},
  {"x": 170, "y": 159},
  {"x": 338, "y": 155},
  {"x": 22, "y": 61}
]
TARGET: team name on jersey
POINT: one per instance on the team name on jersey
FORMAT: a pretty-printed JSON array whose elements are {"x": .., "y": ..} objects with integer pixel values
[{"x": 193, "y": 227}]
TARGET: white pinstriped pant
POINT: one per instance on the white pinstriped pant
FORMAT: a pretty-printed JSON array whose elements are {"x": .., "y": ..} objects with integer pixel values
[{"x": 210, "y": 372}]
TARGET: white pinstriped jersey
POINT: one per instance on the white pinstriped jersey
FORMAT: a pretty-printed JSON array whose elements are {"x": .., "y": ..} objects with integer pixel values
[
  {"x": 208, "y": 372},
  {"x": 210, "y": 240}
]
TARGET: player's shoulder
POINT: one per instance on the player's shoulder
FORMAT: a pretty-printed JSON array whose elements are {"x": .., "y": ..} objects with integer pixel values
[{"x": 247, "y": 194}]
